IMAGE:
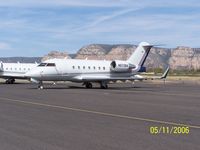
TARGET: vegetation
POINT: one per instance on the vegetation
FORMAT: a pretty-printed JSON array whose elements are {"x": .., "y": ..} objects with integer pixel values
[
  {"x": 185, "y": 72},
  {"x": 176, "y": 72}
]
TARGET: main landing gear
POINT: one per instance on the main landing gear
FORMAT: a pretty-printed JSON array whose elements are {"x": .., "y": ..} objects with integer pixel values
[
  {"x": 10, "y": 81},
  {"x": 88, "y": 85},
  {"x": 103, "y": 85}
]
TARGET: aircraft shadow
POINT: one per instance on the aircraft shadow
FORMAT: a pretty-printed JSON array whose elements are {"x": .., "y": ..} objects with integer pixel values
[{"x": 135, "y": 88}]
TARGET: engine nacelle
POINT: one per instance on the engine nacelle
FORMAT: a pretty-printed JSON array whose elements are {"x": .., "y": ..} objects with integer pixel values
[{"x": 120, "y": 66}]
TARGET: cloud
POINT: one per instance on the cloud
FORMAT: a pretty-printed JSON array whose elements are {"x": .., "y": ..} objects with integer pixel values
[
  {"x": 99, "y": 3},
  {"x": 4, "y": 46},
  {"x": 64, "y": 3},
  {"x": 104, "y": 18},
  {"x": 40, "y": 26}
]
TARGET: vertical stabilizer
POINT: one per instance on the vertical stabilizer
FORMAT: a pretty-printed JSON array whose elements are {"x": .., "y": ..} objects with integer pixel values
[{"x": 140, "y": 54}]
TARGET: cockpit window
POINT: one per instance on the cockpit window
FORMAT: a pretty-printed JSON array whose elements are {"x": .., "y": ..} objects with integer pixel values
[
  {"x": 42, "y": 64},
  {"x": 51, "y": 64},
  {"x": 47, "y": 64}
]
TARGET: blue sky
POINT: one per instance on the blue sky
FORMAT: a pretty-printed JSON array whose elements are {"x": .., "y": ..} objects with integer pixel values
[{"x": 35, "y": 27}]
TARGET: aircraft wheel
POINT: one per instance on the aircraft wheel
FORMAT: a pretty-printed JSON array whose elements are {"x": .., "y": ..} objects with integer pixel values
[
  {"x": 40, "y": 86},
  {"x": 10, "y": 81},
  {"x": 88, "y": 85}
]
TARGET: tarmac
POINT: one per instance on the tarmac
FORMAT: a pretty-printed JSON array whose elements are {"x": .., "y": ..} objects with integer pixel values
[{"x": 70, "y": 117}]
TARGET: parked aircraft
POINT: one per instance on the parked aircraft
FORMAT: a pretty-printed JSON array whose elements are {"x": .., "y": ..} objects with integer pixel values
[
  {"x": 90, "y": 71},
  {"x": 12, "y": 71}
]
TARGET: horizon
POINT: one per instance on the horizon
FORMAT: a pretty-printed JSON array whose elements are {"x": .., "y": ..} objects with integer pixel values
[{"x": 34, "y": 28}]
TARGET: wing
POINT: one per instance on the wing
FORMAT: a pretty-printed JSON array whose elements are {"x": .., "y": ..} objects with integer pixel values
[{"x": 97, "y": 78}]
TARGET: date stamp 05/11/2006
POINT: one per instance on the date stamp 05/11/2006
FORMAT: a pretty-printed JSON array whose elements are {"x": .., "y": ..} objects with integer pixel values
[{"x": 169, "y": 130}]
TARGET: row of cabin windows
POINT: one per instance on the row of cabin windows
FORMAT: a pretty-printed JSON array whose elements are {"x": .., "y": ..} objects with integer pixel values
[
  {"x": 104, "y": 68},
  {"x": 18, "y": 69}
]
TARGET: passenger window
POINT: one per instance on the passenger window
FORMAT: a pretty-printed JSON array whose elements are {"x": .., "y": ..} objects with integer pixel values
[
  {"x": 78, "y": 67},
  {"x": 73, "y": 67},
  {"x": 88, "y": 67},
  {"x": 104, "y": 68},
  {"x": 83, "y": 67},
  {"x": 94, "y": 67},
  {"x": 99, "y": 68}
]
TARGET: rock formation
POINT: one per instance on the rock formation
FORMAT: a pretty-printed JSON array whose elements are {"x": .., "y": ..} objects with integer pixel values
[
  {"x": 180, "y": 58},
  {"x": 185, "y": 58},
  {"x": 158, "y": 57},
  {"x": 56, "y": 54}
]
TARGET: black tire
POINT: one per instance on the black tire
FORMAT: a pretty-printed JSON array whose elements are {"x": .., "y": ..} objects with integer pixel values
[
  {"x": 40, "y": 87},
  {"x": 12, "y": 81},
  {"x": 88, "y": 85}
]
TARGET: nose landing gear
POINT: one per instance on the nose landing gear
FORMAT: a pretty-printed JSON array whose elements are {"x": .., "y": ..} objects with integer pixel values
[
  {"x": 40, "y": 85},
  {"x": 88, "y": 85}
]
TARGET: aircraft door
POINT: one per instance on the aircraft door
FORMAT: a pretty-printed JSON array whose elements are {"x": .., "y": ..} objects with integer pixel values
[
  {"x": 1, "y": 66},
  {"x": 58, "y": 69}
]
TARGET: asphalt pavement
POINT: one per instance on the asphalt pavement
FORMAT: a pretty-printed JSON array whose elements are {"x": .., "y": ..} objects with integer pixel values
[{"x": 70, "y": 117}]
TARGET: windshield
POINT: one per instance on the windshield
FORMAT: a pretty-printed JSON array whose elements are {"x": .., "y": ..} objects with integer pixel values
[
  {"x": 51, "y": 64},
  {"x": 42, "y": 64},
  {"x": 47, "y": 64}
]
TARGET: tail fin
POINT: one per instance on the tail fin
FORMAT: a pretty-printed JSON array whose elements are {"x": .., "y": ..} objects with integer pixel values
[{"x": 140, "y": 54}]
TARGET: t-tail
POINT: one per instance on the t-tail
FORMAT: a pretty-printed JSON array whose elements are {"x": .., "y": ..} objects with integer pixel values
[{"x": 139, "y": 55}]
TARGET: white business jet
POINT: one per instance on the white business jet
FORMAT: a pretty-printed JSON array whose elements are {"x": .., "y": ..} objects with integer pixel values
[
  {"x": 90, "y": 71},
  {"x": 12, "y": 71}
]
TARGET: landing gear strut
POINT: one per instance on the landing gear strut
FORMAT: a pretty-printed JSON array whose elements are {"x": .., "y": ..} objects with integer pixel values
[
  {"x": 103, "y": 85},
  {"x": 88, "y": 85},
  {"x": 40, "y": 85},
  {"x": 10, "y": 81}
]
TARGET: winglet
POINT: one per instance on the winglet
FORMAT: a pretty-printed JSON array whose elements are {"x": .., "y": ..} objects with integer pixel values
[{"x": 164, "y": 76}]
